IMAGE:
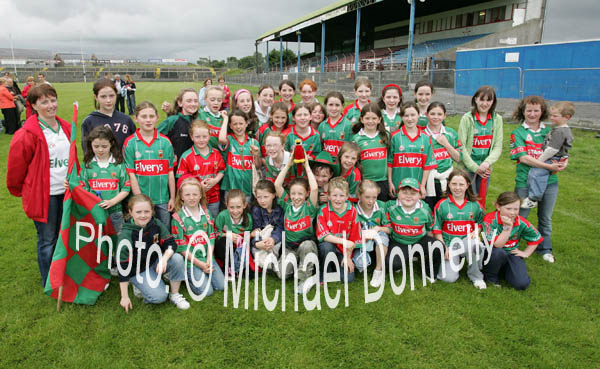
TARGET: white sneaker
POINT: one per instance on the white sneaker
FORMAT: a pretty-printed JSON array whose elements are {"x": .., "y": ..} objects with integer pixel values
[
  {"x": 300, "y": 288},
  {"x": 480, "y": 284},
  {"x": 548, "y": 257},
  {"x": 178, "y": 300},
  {"x": 377, "y": 278},
  {"x": 114, "y": 272},
  {"x": 137, "y": 292},
  {"x": 528, "y": 204},
  {"x": 431, "y": 280}
]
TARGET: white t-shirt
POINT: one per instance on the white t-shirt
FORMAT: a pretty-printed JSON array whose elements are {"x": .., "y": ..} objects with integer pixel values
[{"x": 58, "y": 148}]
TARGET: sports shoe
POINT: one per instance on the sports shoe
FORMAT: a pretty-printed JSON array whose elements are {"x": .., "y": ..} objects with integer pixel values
[
  {"x": 548, "y": 257},
  {"x": 178, "y": 300},
  {"x": 165, "y": 277},
  {"x": 528, "y": 204},
  {"x": 480, "y": 284},
  {"x": 377, "y": 278},
  {"x": 301, "y": 288},
  {"x": 114, "y": 272},
  {"x": 431, "y": 280},
  {"x": 137, "y": 292}
]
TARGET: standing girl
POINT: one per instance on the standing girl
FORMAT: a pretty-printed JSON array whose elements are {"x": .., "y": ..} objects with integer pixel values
[
  {"x": 349, "y": 168},
  {"x": 480, "y": 131},
  {"x": 287, "y": 90},
  {"x": 235, "y": 218},
  {"x": 300, "y": 209},
  {"x": 457, "y": 221},
  {"x": 362, "y": 90},
  {"x": 105, "y": 98},
  {"x": 505, "y": 228},
  {"x": 104, "y": 173},
  {"x": 226, "y": 94},
  {"x": 317, "y": 115},
  {"x": 411, "y": 154},
  {"x": 446, "y": 146},
  {"x": 337, "y": 129},
  {"x": 267, "y": 219},
  {"x": 177, "y": 126},
  {"x": 204, "y": 163},
  {"x": 303, "y": 132},
  {"x": 276, "y": 157},
  {"x": 389, "y": 103},
  {"x": 130, "y": 87},
  {"x": 212, "y": 114},
  {"x": 202, "y": 93},
  {"x": 308, "y": 91},
  {"x": 423, "y": 95},
  {"x": 134, "y": 263},
  {"x": 372, "y": 138},
  {"x": 243, "y": 100},
  {"x": 279, "y": 122},
  {"x": 264, "y": 100},
  {"x": 242, "y": 152},
  {"x": 149, "y": 161},
  {"x": 189, "y": 217}
]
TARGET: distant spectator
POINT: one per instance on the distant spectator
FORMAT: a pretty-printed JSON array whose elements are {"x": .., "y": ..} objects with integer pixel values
[
  {"x": 226, "y": 94},
  {"x": 30, "y": 83},
  {"x": 130, "y": 87},
  {"x": 207, "y": 82},
  {"x": 121, "y": 93},
  {"x": 42, "y": 79},
  {"x": 9, "y": 109},
  {"x": 107, "y": 76},
  {"x": 15, "y": 84},
  {"x": 19, "y": 102}
]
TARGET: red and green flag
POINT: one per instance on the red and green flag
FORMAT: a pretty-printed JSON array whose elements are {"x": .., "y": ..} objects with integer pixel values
[{"x": 78, "y": 273}]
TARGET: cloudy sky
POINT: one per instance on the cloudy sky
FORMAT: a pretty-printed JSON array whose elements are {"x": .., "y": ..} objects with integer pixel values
[{"x": 190, "y": 29}]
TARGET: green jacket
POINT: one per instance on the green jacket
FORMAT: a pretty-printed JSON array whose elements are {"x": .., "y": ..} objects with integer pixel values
[{"x": 465, "y": 135}]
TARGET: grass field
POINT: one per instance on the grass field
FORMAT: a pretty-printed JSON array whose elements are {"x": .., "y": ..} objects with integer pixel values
[{"x": 553, "y": 324}]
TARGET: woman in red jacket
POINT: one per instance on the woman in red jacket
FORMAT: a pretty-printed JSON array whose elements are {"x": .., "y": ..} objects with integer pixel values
[
  {"x": 9, "y": 109},
  {"x": 30, "y": 84},
  {"x": 38, "y": 159}
]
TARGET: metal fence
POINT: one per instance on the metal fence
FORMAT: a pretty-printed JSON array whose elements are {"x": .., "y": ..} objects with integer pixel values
[{"x": 455, "y": 87}]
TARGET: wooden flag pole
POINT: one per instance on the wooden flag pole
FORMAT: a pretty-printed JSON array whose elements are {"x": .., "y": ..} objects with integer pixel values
[{"x": 59, "y": 300}]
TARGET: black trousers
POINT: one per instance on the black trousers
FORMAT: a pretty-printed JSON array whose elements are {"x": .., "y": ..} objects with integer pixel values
[
  {"x": 120, "y": 103},
  {"x": 11, "y": 123},
  {"x": 425, "y": 260}
]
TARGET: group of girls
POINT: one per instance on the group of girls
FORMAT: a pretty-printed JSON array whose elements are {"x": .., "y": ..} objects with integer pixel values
[{"x": 206, "y": 169}]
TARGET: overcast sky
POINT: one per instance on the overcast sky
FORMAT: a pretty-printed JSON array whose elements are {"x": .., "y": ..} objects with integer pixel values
[{"x": 190, "y": 29}]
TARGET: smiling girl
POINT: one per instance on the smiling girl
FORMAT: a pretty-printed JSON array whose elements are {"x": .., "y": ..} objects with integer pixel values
[{"x": 176, "y": 127}]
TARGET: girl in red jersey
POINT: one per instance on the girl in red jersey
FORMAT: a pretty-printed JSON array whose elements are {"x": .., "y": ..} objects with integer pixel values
[
  {"x": 287, "y": 91},
  {"x": 336, "y": 129},
  {"x": 303, "y": 132}
]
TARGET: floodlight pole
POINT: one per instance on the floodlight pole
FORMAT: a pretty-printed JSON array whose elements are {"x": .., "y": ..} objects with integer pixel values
[
  {"x": 267, "y": 58},
  {"x": 82, "y": 60},
  {"x": 357, "y": 41},
  {"x": 411, "y": 36},
  {"x": 299, "y": 40},
  {"x": 280, "y": 54},
  {"x": 255, "y": 56},
  {"x": 12, "y": 51},
  {"x": 323, "y": 47}
]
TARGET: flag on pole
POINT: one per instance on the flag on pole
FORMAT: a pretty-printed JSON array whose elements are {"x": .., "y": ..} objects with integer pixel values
[{"x": 79, "y": 274}]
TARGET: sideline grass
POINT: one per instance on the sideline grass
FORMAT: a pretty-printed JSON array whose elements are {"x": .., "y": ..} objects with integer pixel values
[{"x": 552, "y": 324}]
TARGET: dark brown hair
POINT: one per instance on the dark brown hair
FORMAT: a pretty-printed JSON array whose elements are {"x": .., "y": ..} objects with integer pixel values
[
  {"x": 279, "y": 106},
  {"x": 519, "y": 113},
  {"x": 469, "y": 194},
  {"x": 380, "y": 101},
  {"x": 373, "y": 108},
  {"x": 335, "y": 94},
  {"x": 508, "y": 197},
  {"x": 237, "y": 193},
  {"x": 145, "y": 105},
  {"x": 176, "y": 109},
  {"x": 37, "y": 92},
  {"x": 490, "y": 93},
  {"x": 104, "y": 133},
  {"x": 99, "y": 85}
]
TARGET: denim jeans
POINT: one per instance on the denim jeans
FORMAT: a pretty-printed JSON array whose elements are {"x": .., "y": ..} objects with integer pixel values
[
  {"x": 369, "y": 246},
  {"x": 512, "y": 267},
  {"x": 161, "y": 212},
  {"x": 131, "y": 104},
  {"x": 47, "y": 234},
  {"x": 117, "y": 221},
  {"x": 213, "y": 209},
  {"x": 324, "y": 249},
  {"x": 544, "y": 211},
  {"x": 537, "y": 181},
  {"x": 198, "y": 285},
  {"x": 159, "y": 294}
]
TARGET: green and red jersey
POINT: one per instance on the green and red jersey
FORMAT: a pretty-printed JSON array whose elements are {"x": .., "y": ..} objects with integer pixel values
[
  {"x": 456, "y": 221},
  {"x": 202, "y": 167},
  {"x": 483, "y": 133},
  {"x": 238, "y": 172},
  {"x": 214, "y": 121},
  {"x": 183, "y": 227},
  {"x": 391, "y": 123},
  {"x": 271, "y": 171},
  {"x": 262, "y": 134},
  {"x": 521, "y": 229},
  {"x": 410, "y": 156},
  {"x": 105, "y": 181},
  {"x": 352, "y": 112},
  {"x": 151, "y": 163},
  {"x": 525, "y": 141},
  {"x": 423, "y": 121},
  {"x": 224, "y": 223},
  {"x": 297, "y": 223},
  {"x": 373, "y": 156},
  {"x": 329, "y": 222},
  {"x": 353, "y": 177},
  {"x": 378, "y": 216},
  {"x": 408, "y": 227},
  {"x": 334, "y": 134},
  {"x": 311, "y": 143},
  {"x": 442, "y": 156}
]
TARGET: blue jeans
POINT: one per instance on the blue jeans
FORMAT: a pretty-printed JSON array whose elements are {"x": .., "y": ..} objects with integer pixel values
[
  {"x": 537, "y": 181},
  {"x": 131, "y": 104},
  {"x": 47, "y": 234},
  {"x": 368, "y": 247},
  {"x": 217, "y": 281},
  {"x": 324, "y": 249},
  {"x": 161, "y": 213},
  {"x": 213, "y": 209},
  {"x": 117, "y": 221},
  {"x": 544, "y": 210},
  {"x": 512, "y": 266},
  {"x": 159, "y": 294}
]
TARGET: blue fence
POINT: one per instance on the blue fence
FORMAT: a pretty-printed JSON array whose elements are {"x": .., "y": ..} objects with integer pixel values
[{"x": 565, "y": 71}]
